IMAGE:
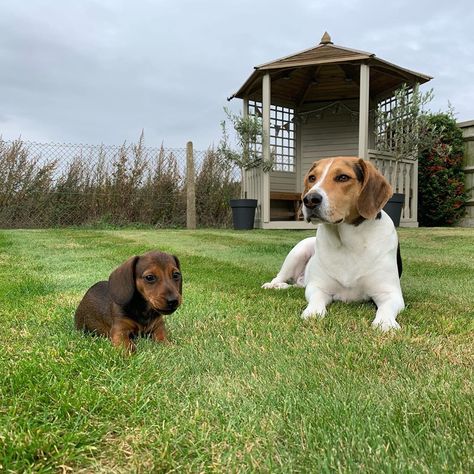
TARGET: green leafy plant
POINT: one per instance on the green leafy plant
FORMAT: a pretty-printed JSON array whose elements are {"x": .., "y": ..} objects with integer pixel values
[
  {"x": 249, "y": 137},
  {"x": 441, "y": 192}
]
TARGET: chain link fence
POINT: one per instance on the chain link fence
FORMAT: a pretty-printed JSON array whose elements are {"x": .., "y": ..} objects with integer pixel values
[{"x": 51, "y": 185}]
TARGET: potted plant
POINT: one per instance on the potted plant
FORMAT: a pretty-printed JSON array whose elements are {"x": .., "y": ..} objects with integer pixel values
[
  {"x": 246, "y": 155},
  {"x": 401, "y": 132}
]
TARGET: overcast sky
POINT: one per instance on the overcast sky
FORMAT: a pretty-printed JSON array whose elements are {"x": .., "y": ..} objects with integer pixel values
[{"x": 100, "y": 71}]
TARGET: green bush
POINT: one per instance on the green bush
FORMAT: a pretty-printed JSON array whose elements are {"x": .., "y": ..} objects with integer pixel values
[{"x": 441, "y": 192}]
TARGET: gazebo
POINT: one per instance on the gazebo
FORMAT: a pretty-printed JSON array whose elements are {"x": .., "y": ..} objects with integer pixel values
[{"x": 319, "y": 103}]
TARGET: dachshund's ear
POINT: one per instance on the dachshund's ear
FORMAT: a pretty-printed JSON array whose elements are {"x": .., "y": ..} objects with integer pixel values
[
  {"x": 375, "y": 192},
  {"x": 178, "y": 264},
  {"x": 122, "y": 282}
]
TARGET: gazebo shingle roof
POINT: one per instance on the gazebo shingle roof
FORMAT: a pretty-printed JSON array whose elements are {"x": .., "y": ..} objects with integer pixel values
[{"x": 326, "y": 72}]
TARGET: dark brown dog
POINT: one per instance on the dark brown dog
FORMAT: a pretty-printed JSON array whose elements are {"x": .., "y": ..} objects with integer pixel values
[{"x": 134, "y": 300}]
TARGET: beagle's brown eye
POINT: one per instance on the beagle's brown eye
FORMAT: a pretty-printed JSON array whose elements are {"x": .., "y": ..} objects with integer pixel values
[
  {"x": 150, "y": 278},
  {"x": 342, "y": 178},
  {"x": 176, "y": 275},
  {"x": 311, "y": 178}
]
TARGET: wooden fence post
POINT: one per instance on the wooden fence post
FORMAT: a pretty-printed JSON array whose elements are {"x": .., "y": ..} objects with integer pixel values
[{"x": 190, "y": 188}]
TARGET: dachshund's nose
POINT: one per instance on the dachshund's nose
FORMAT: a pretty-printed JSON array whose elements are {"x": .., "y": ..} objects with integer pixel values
[
  {"x": 172, "y": 303},
  {"x": 311, "y": 200}
]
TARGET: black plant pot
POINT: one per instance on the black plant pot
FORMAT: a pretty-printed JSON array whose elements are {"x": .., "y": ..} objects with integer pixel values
[
  {"x": 243, "y": 213},
  {"x": 394, "y": 207}
]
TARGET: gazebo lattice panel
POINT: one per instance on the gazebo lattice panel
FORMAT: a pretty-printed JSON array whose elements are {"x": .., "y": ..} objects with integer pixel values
[
  {"x": 282, "y": 135},
  {"x": 390, "y": 121}
]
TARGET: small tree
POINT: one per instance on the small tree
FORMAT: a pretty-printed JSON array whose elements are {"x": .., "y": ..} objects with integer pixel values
[
  {"x": 249, "y": 136},
  {"x": 404, "y": 129}
]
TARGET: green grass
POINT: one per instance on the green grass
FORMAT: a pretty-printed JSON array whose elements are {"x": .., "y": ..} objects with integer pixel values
[{"x": 245, "y": 385}]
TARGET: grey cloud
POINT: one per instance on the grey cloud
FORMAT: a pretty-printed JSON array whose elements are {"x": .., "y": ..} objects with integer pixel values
[{"x": 101, "y": 71}]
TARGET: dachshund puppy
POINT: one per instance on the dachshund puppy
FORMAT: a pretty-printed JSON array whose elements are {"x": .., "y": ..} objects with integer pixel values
[{"x": 134, "y": 300}]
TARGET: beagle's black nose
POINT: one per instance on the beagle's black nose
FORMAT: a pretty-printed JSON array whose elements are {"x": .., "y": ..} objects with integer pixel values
[{"x": 311, "y": 200}]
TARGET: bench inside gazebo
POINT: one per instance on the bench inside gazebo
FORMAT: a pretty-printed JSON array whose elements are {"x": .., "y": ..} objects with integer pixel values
[{"x": 315, "y": 104}]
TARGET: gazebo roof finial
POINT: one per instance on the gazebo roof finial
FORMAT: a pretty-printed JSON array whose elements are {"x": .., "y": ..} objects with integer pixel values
[{"x": 326, "y": 39}]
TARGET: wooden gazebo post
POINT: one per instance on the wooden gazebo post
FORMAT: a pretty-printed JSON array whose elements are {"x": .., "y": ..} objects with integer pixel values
[
  {"x": 244, "y": 186},
  {"x": 364, "y": 111},
  {"x": 266, "y": 101}
]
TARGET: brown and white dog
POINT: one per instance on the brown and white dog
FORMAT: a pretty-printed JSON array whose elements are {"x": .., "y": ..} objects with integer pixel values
[
  {"x": 355, "y": 254},
  {"x": 134, "y": 300}
]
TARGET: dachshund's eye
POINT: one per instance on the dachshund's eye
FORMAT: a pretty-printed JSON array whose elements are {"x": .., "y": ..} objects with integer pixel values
[
  {"x": 150, "y": 278},
  {"x": 311, "y": 178},
  {"x": 342, "y": 178},
  {"x": 176, "y": 275}
]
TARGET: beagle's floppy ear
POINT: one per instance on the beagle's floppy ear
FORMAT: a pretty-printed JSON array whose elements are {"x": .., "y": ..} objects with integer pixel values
[
  {"x": 122, "y": 282},
  {"x": 177, "y": 262},
  {"x": 375, "y": 192}
]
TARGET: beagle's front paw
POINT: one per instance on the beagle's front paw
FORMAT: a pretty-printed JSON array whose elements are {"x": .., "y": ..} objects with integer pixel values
[
  {"x": 275, "y": 285},
  {"x": 385, "y": 324},
  {"x": 313, "y": 312}
]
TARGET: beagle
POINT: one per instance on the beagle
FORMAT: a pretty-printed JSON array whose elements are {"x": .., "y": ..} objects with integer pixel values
[
  {"x": 134, "y": 300},
  {"x": 355, "y": 255}
]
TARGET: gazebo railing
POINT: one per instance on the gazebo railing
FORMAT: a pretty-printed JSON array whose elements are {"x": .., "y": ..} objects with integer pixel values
[{"x": 403, "y": 176}]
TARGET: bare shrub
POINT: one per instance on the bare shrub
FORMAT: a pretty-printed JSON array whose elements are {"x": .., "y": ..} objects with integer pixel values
[
  {"x": 215, "y": 186},
  {"x": 128, "y": 174},
  {"x": 163, "y": 197},
  {"x": 70, "y": 197},
  {"x": 109, "y": 185},
  {"x": 25, "y": 185}
]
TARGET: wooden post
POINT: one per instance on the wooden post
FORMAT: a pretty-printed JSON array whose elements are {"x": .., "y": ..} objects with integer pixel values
[
  {"x": 266, "y": 102},
  {"x": 190, "y": 188},
  {"x": 243, "y": 172},
  {"x": 364, "y": 112}
]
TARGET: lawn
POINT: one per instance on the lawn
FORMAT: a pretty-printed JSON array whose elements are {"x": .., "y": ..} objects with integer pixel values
[{"x": 245, "y": 385}]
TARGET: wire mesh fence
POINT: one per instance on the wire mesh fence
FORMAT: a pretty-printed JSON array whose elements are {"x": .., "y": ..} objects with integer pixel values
[{"x": 50, "y": 185}]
